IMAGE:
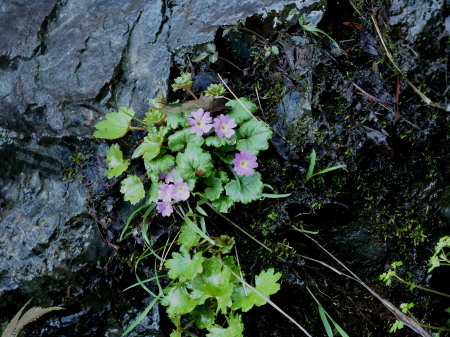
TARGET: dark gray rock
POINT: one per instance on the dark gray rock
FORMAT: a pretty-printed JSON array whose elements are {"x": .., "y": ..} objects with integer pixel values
[{"x": 426, "y": 16}]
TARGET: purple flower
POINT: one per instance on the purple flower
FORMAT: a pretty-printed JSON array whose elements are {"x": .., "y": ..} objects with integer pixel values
[
  {"x": 164, "y": 207},
  {"x": 244, "y": 163},
  {"x": 180, "y": 190},
  {"x": 223, "y": 125},
  {"x": 200, "y": 122},
  {"x": 168, "y": 176},
  {"x": 165, "y": 192}
]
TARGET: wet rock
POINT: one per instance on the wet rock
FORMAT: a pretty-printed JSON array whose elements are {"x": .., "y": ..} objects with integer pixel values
[
  {"x": 201, "y": 28},
  {"x": 44, "y": 220},
  {"x": 294, "y": 114},
  {"x": 427, "y": 19}
]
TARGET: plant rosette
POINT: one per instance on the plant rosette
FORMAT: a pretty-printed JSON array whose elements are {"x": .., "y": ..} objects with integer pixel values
[{"x": 191, "y": 152}]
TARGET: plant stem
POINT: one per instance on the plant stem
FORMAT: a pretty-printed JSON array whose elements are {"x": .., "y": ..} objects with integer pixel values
[
  {"x": 419, "y": 287},
  {"x": 137, "y": 128},
  {"x": 192, "y": 93}
]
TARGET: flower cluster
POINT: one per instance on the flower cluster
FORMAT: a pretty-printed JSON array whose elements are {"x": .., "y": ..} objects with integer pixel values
[
  {"x": 201, "y": 123},
  {"x": 173, "y": 189}
]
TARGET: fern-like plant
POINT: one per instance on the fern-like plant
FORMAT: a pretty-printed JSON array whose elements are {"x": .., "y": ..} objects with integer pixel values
[{"x": 19, "y": 320}]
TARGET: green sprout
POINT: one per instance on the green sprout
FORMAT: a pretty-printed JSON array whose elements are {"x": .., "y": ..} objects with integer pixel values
[{"x": 215, "y": 90}]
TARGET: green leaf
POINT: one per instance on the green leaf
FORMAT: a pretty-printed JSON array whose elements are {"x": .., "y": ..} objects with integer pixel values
[
  {"x": 230, "y": 262},
  {"x": 265, "y": 283},
  {"x": 185, "y": 267},
  {"x": 150, "y": 147},
  {"x": 174, "y": 120},
  {"x": 220, "y": 141},
  {"x": 203, "y": 316},
  {"x": 132, "y": 189},
  {"x": 115, "y": 125},
  {"x": 153, "y": 195},
  {"x": 245, "y": 189},
  {"x": 192, "y": 160},
  {"x": 159, "y": 164},
  {"x": 213, "y": 192},
  {"x": 312, "y": 164},
  {"x": 214, "y": 282},
  {"x": 325, "y": 322},
  {"x": 116, "y": 164},
  {"x": 223, "y": 204},
  {"x": 254, "y": 136},
  {"x": 238, "y": 112},
  {"x": 235, "y": 328},
  {"x": 178, "y": 301},
  {"x": 188, "y": 237},
  {"x": 329, "y": 169},
  {"x": 180, "y": 139}
]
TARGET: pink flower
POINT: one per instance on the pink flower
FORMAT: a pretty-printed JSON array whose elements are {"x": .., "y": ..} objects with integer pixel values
[
  {"x": 180, "y": 190},
  {"x": 200, "y": 122},
  {"x": 223, "y": 125},
  {"x": 244, "y": 163},
  {"x": 165, "y": 192},
  {"x": 168, "y": 176},
  {"x": 164, "y": 207}
]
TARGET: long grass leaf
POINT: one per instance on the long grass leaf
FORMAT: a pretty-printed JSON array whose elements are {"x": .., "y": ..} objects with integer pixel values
[
  {"x": 329, "y": 169},
  {"x": 275, "y": 196},
  {"x": 338, "y": 327},
  {"x": 143, "y": 281},
  {"x": 130, "y": 218},
  {"x": 191, "y": 224},
  {"x": 325, "y": 322},
  {"x": 312, "y": 163},
  {"x": 141, "y": 316}
]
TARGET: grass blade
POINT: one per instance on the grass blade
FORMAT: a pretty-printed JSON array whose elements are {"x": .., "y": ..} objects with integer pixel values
[
  {"x": 275, "y": 196},
  {"x": 329, "y": 169},
  {"x": 191, "y": 224},
  {"x": 141, "y": 316},
  {"x": 127, "y": 224},
  {"x": 312, "y": 163},
  {"x": 325, "y": 322}
]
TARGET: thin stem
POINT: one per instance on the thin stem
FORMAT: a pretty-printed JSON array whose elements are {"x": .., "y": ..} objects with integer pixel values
[
  {"x": 434, "y": 327},
  {"x": 224, "y": 59},
  {"x": 137, "y": 128},
  {"x": 192, "y": 93},
  {"x": 135, "y": 118},
  {"x": 419, "y": 287}
]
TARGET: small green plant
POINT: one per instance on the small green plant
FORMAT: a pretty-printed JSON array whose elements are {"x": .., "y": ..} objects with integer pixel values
[
  {"x": 391, "y": 275},
  {"x": 194, "y": 158},
  {"x": 312, "y": 164},
  {"x": 19, "y": 320},
  {"x": 210, "y": 52},
  {"x": 273, "y": 50},
  {"x": 441, "y": 256},
  {"x": 312, "y": 29}
]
